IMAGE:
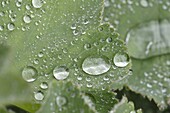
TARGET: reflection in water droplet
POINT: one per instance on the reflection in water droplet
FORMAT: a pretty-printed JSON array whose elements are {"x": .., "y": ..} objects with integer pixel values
[
  {"x": 29, "y": 74},
  {"x": 61, "y": 100},
  {"x": 44, "y": 85},
  {"x": 39, "y": 95},
  {"x": 27, "y": 19},
  {"x": 121, "y": 59},
  {"x": 11, "y": 26},
  {"x": 60, "y": 73},
  {"x": 95, "y": 65},
  {"x": 37, "y": 3}
]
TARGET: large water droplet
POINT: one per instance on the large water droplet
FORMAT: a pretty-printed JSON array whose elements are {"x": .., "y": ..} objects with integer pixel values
[
  {"x": 29, "y": 74},
  {"x": 37, "y": 3},
  {"x": 60, "y": 73},
  {"x": 121, "y": 59},
  {"x": 61, "y": 100},
  {"x": 27, "y": 19},
  {"x": 39, "y": 95},
  {"x": 95, "y": 65}
]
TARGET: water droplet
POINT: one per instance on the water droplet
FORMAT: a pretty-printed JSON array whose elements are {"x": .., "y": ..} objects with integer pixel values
[
  {"x": 40, "y": 54},
  {"x": 86, "y": 21},
  {"x": 37, "y": 3},
  {"x": 144, "y": 3},
  {"x": 44, "y": 85},
  {"x": 60, "y": 73},
  {"x": 73, "y": 26},
  {"x": 61, "y": 100},
  {"x": 27, "y": 19},
  {"x": 1, "y": 28},
  {"x": 121, "y": 59},
  {"x": 79, "y": 77},
  {"x": 87, "y": 46},
  {"x": 95, "y": 65},
  {"x": 36, "y": 61},
  {"x": 75, "y": 32},
  {"x": 39, "y": 95},
  {"x": 29, "y": 74},
  {"x": 11, "y": 26}
]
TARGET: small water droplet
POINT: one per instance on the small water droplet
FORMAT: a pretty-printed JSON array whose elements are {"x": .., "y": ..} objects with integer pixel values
[
  {"x": 75, "y": 32},
  {"x": 11, "y": 26},
  {"x": 40, "y": 54},
  {"x": 1, "y": 28},
  {"x": 37, "y": 3},
  {"x": 61, "y": 73},
  {"x": 73, "y": 26},
  {"x": 39, "y": 95},
  {"x": 61, "y": 100},
  {"x": 95, "y": 65},
  {"x": 44, "y": 85},
  {"x": 121, "y": 59},
  {"x": 27, "y": 19},
  {"x": 86, "y": 21},
  {"x": 79, "y": 77},
  {"x": 29, "y": 74},
  {"x": 89, "y": 85},
  {"x": 87, "y": 46},
  {"x": 36, "y": 61}
]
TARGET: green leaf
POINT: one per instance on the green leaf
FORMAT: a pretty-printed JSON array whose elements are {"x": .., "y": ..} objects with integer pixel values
[
  {"x": 3, "y": 110},
  {"x": 4, "y": 55},
  {"x": 103, "y": 101},
  {"x": 48, "y": 37},
  {"x": 63, "y": 97},
  {"x": 153, "y": 79},
  {"x": 13, "y": 90},
  {"x": 144, "y": 25},
  {"x": 145, "y": 37},
  {"x": 124, "y": 107}
]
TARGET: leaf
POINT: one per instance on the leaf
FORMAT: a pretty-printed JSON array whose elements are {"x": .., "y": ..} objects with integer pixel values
[
  {"x": 124, "y": 107},
  {"x": 153, "y": 79},
  {"x": 103, "y": 101},
  {"x": 3, "y": 110},
  {"x": 49, "y": 37},
  {"x": 145, "y": 37},
  {"x": 63, "y": 97},
  {"x": 148, "y": 44},
  {"x": 4, "y": 55},
  {"x": 13, "y": 90}
]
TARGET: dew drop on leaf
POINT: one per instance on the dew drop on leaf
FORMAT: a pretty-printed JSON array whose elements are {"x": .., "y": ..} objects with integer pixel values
[
  {"x": 44, "y": 85},
  {"x": 39, "y": 95},
  {"x": 95, "y": 65},
  {"x": 40, "y": 54},
  {"x": 27, "y": 19},
  {"x": 1, "y": 28},
  {"x": 11, "y": 26},
  {"x": 61, "y": 100},
  {"x": 121, "y": 59},
  {"x": 73, "y": 26},
  {"x": 37, "y": 3},
  {"x": 29, "y": 74},
  {"x": 61, "y": 73}
]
